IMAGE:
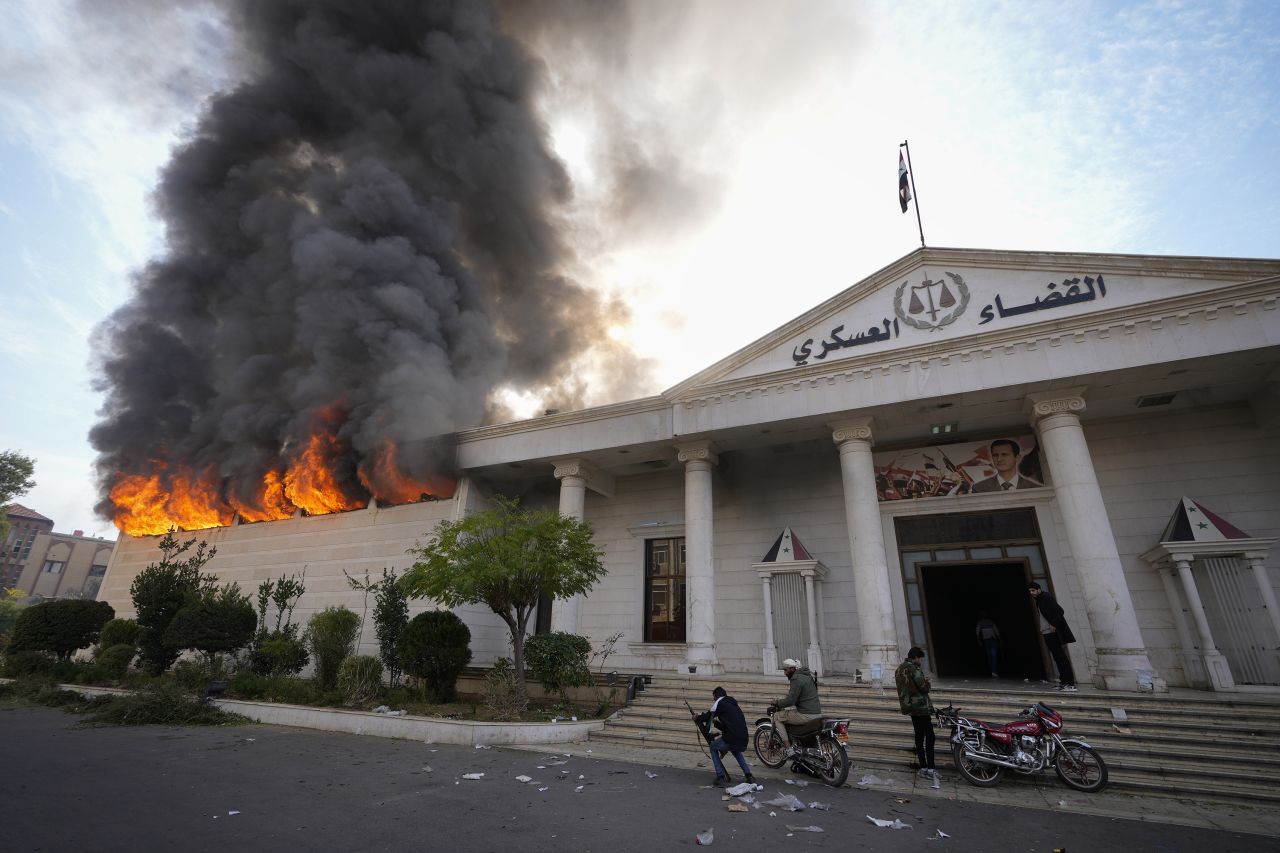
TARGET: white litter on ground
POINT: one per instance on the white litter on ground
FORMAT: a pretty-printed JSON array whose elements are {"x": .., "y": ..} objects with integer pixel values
[
  {"x": 739, "y": 790},
  {"x": 704, "y": 839},
  {"x": 940, "y": 834},
  {"x": 873, "y": 779},
  {"x": 787, "y": 801},
  {"x": 473, "y": 776},
  {"x": 578, "y": 790},
  {"x": 889, "y": 824},
  {"x": 797, "y": 782},
  {"x": 805, "y": 828},
  {"x": 651, "y": 774},
  {"x": 524, "y": 778},
  {"x": 822, "y": 807},
  {"x": 481, "y": 746},
  {"x": 229, "y": 814}
]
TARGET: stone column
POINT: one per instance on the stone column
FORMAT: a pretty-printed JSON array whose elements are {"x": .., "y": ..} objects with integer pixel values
[
  {"x": 815, "y": 650},
  {"x": 1120, "y": 649},
  {"x": 866, "y": 545},
  {"x": 1192, "y": 665},
  {"x": 1215, "y": 663},
  {"x": 769, "y": 660},
  {"x": 1258, "y": 563},
  {"x": 699, "y": 549},
  {"x": 575, "y": 476}
]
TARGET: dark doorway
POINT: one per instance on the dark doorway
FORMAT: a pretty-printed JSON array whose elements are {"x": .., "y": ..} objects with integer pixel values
[{"x": 955, "y": 596}]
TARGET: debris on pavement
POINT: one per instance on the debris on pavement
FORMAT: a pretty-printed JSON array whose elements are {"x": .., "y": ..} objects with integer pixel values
[
  {"x": 786, "y": 801},
  {"x": 738, "y": 807},
  {"x": 799, "y": 783},
  {"x": 804, "y": 828},
  {"x": 873, "y": 779},
  {"x": 525, "y": 779},
  {"x": 822, "y": 807},
  {"x": 229, "y": 814},
  {"x": 704, "y": 839},
  {"x": 940, "y": 834},
  {"x": 473, "y": 776},
  {"x": 481, "y": 746},
  {"x": 903, "y": 800},
  {"x": 740, "y": 789},
  {"x": 651, "y": 774},
  {"x": 889, "y": 824}
]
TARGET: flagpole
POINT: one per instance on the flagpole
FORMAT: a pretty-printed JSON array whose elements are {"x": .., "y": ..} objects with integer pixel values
[{"x": 911, "y": 173}]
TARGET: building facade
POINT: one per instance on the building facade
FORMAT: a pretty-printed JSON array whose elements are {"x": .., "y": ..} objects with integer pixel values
[
  {"x": 893, "y": 465},
  {"x": 25, "y": 524}
]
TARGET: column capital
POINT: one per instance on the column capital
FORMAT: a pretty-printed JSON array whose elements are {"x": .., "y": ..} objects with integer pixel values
[
  {"x": 853, "y": 429},
  {"x": 595, "y": 479},
  {"x": 698, "y": 451},
  {"x": 1045, "y": 403}
]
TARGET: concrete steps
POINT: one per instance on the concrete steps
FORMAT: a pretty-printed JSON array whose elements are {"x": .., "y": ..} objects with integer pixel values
[{"x": 1188, "y": 745}]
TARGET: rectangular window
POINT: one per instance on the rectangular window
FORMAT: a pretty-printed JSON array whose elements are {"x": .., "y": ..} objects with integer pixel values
[
  {"x": 97, "y": 571},
  {"x": 664, "y": 590},
  {"x": 54, "y": 567}
]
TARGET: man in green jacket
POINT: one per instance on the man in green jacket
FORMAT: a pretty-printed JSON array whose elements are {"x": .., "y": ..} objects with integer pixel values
[
  {"x": 800, "y": 705},
  {"x": 913, "y": 699}
]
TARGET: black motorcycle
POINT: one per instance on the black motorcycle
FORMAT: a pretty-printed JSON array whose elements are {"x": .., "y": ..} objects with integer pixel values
[{"x": 823, "y": 743}]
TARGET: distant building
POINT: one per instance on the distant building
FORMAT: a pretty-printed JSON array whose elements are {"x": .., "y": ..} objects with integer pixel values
[
  {"x": 24, "y": 524},
  {"x": 45, "y": 564}
]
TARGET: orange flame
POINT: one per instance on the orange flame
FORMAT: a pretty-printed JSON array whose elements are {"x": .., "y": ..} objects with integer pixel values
[
  {"x": 146, "y": 505},
  {"x": 310, "y": 483},
  {"x": 269, "y": 503},
  {"x": 381, "y": 475}
]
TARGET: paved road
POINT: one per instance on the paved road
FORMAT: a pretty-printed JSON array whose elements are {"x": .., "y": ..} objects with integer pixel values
[{"x": 144, "y": 789}]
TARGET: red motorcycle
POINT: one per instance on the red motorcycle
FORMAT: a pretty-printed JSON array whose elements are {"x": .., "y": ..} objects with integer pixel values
[{"x": 983, "y": 752}]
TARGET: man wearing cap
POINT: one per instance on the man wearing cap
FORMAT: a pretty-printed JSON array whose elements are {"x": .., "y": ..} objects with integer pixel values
[
  {"x": 800, "y": 705},
  {"x": 732, "y": 724}
]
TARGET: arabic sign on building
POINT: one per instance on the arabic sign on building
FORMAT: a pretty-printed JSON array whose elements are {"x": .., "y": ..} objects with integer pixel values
[
  {"x": 928, "y": 305},
  {"x": 1004, "y": 463}
]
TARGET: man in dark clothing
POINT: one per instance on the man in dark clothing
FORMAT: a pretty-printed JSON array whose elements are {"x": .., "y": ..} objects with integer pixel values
[
  {"x": 728, "y": 718},
  {"x": 913, "y": 700},
  {"x": 1057, "y": 634}
]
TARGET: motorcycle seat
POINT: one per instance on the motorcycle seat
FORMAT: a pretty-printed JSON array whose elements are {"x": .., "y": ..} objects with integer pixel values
[{"x": 805, "y": 729}]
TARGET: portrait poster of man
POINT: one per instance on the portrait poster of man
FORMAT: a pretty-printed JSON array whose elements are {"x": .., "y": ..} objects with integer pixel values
[{"x": 996, "y": 464}]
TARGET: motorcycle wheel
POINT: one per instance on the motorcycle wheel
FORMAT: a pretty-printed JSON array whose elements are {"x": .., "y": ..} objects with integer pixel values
[
  {"x": 976, "y": 772},
  {"x": 1081, "y": 767},
  {"x": 835, "y": 769},
  {"x": 769, "y": 748}
]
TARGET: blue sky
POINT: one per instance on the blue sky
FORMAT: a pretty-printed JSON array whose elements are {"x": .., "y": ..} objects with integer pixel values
[{"x": 1145, "y": 127}]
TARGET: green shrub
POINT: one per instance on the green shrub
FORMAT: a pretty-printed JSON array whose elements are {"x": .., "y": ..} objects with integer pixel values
[
  {"x": 213, "y": 622},
  {"x": 118, "y": 631},
  {"x": 277, "y": 654},
  {"x": 60, "y": 626},
  {"x": 247, "y": 684},
  {"x": 390, "y": 616},
  {"x": 194, "y": 675},
  {"x": 559, "y": 661},
  {"x": 435, "y": 646},
  {"x": 25, "y": 664},
  {"x": 331, "y": 637},
  {"x": 360, "y": 679},
  {"x": 113, "y": 661}
]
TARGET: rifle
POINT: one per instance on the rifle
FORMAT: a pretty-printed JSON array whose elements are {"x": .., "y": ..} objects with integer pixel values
[{"x": 704, "y": 732}]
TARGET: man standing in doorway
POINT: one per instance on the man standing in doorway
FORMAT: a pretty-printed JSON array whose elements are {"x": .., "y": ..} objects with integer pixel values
[
  {"x": 800, "y": 705},
  {"x": 1057, "y": 635},
  {"x": 1005, "y": 456},
  {"x": 989, "y": 637}
]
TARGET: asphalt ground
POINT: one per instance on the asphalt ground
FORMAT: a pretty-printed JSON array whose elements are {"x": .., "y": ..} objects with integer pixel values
[{"x": 256, "y": 787}]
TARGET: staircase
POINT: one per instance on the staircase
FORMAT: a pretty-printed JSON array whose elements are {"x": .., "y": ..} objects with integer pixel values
[{"x": 1190, "y": 745}]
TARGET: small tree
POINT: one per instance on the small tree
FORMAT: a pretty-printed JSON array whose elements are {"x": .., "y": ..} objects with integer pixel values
[
  {"x": 390, "y": 617},
  {"x": 277, "y": 649},
  {"x": 161, "y": 590},
  {"x": 213, "y": 622},
  {"x": 15, "y": 480},
  {"x": 60, "y": 626},
  {"x": 435, "y": 647},
  {"x": 331, "y": 637},
  {"x": 117, "y": 632},
  {"x": 505, "y": 558}
]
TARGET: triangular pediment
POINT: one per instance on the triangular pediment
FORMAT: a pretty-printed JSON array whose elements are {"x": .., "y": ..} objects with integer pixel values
[{"x": 934, "y": 296}]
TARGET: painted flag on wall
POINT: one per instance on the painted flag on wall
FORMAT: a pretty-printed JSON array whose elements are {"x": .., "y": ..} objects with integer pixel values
[{"x": 904, "y": 183}]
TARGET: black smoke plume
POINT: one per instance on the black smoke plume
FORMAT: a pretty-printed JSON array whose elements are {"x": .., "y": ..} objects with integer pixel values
[{"x": 364, "y": 225}]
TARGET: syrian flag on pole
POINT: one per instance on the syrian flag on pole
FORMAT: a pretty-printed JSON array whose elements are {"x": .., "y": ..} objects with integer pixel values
[{"x": 904, "y": 183}]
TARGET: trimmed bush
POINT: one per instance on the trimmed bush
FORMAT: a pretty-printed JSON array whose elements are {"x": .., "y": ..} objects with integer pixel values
[
  {"x": 113, "y": 661},
  {"x": 60, "y": 626},
  {"x": 559, "y": 661},
  {"x": 162, "y": 589},
  {"x": 331, "y": 637},
  {"x": 277, "y": 654},
  {"x": 360, "y": 679},
  {"x": 118, "y": 631},
  {"x": 435, "y": 647},
  {"x": 213, "y": 623}
]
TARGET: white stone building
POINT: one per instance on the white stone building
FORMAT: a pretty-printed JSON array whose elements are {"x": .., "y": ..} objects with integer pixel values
[{"x": 1121, "y": 384}]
